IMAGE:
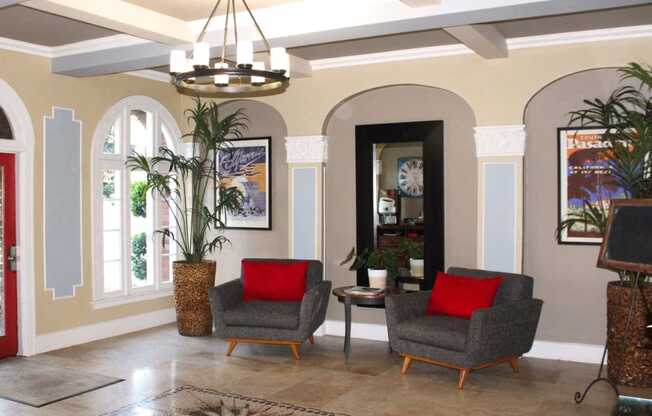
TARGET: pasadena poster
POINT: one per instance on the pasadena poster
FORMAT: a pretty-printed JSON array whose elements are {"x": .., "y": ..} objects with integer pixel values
[{"x": 584, "y": 175}]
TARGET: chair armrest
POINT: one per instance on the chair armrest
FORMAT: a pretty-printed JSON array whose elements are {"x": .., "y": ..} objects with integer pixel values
[
  {"x": 504, "y": 330},
  {"x": 313, "y": 308},
  {"x": 405, "y": 306},
  {"x": 225, "y": 296}
]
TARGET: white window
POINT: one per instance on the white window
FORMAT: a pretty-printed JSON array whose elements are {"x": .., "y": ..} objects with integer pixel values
[{"x": 131, "y": 261}]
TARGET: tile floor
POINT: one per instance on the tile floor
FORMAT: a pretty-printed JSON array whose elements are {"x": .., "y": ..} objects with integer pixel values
[{"x": 159, "y": 359}]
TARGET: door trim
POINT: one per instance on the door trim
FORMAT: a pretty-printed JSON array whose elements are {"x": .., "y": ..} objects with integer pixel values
[{"x": 23, "y": 147}]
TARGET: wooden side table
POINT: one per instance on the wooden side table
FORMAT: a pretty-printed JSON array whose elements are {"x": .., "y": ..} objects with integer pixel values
[{"x": 348, "y": 299}]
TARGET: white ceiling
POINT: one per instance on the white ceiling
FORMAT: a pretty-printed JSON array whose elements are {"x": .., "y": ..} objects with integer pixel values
[
  {"x": 310, "y": 29},
  {"x": 623, "y": 17},
  {"x": 200, "y": 9}
]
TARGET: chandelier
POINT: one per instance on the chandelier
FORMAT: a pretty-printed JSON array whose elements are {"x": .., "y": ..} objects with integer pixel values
[{"x": 194, "y": 76}]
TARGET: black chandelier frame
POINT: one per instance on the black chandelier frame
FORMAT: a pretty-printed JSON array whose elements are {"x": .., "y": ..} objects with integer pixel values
[{"x": 200, "y": 81}]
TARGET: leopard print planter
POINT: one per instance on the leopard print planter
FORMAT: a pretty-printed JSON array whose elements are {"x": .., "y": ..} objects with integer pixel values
[
  {"x": 630, "y": 364},
  {"x": 191, "y": 284}
]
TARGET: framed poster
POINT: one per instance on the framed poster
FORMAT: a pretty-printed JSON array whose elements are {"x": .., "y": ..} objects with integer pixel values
[
  {"x": 247, "y": 165},
  {"x": 409, "y": 177},
  {"x": 584, "y": 175}
]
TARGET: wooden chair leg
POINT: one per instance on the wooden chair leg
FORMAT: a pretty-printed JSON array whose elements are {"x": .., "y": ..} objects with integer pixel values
[
  {"x": 514, "y": 363},
  {"x": 232, "y": 344},
  {"x": 311, "y": 339},
  {"x": 464, "y": 373},
  {"x": 407, "y": 362},
  {"x": 295, "y": 351}
]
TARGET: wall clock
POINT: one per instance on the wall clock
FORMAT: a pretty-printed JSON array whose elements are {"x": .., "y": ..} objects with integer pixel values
[{"x": 410, "y": 177}]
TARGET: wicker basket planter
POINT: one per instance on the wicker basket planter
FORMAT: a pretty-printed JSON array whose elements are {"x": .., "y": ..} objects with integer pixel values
[
  {"x": 191, "y": 284},
  {"x": 631, "y": 366}
]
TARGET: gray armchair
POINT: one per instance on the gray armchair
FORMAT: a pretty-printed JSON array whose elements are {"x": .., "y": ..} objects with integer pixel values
[
  {"x": 270, "y": 322},
  {"x": 494, "y": 335}
]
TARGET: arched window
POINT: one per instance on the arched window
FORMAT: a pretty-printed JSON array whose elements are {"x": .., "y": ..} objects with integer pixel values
[
  {"x": 5, "y": 127},
  {"x": 130, "y": 260}
]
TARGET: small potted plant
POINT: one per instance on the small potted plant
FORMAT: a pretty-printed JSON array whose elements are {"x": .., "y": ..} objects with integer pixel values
[
  {"x": 413, "y": 250},
  {"x": 380, "y": 265}
]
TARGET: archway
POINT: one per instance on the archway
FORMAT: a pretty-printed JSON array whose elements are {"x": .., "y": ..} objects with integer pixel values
[
  {"x": 573, "y": 268},
  {"x": 393, "y": 104}
]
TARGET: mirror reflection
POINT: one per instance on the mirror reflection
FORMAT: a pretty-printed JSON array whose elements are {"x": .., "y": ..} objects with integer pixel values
[{"x": 398, "y": 201}]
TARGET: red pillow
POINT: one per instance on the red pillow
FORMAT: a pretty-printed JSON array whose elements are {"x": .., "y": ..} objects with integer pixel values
[
  {"x": 459, "y": 296},
  {"x": 273, "y": 280}
]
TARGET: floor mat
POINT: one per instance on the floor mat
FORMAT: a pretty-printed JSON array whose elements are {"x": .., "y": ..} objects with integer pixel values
[{"x": 30, "y": 382}]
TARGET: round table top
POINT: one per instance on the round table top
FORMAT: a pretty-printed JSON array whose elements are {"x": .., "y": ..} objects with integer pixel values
[{"x": 367, "y": 299}]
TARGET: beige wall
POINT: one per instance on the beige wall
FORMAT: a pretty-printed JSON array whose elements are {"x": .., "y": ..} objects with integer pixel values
[
  {"x": 399, "y": 104},
  {"x": 574, "y": 290},
  {"x": 497, "y": 92},
  {"x": 473, "y": 91},
  {"x": 30, "y": 77}
]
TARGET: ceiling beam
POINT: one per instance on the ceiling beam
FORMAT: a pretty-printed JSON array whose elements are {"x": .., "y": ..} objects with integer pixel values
[
  {"x": 420, "y": 3},
  {"x": 485, "y": 40},
  {"x": 120, "y": 16},
  {"x": 287, "y": 27}
]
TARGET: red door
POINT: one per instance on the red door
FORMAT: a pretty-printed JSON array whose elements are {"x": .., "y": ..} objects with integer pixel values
[{"x": 8, "y": 296}]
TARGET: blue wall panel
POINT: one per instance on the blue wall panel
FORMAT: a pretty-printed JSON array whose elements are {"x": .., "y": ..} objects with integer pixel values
[
  {"x": 499, "y": 216},
  {"x": 304, "y": 207},
  {"x": 62, "y": 203}
]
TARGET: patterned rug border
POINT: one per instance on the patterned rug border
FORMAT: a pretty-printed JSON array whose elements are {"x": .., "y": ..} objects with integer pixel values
[{"x": 236, "y": 396}]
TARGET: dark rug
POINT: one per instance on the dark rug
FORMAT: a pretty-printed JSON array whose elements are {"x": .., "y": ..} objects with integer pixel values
[
  {"x": 195, "y": 401},
  {"x": 28, "y": 381}
]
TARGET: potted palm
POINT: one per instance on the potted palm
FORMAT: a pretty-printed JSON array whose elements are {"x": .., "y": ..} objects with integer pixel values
[
  {"x": 182, "y": 183},
  {"x": 627, "y": 117},
  {"x": 413, "y": 250},
  {"x": 380, "y": 265}
]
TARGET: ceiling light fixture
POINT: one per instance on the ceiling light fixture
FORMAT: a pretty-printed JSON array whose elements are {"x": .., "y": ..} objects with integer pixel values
[{"x": 194, "y": 76}]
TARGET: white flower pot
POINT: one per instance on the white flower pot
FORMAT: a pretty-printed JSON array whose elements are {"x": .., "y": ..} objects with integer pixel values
[
  {"x": 416, "y": 268},
  {"x": 377, "y": 278}
]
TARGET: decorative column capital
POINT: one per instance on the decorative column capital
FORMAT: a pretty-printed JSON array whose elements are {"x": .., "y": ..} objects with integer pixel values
[
  {"x": 306, "y": 149},
  {"x": 505, "y": 140}
]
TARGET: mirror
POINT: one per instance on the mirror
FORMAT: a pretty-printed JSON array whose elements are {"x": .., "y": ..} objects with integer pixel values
[{"x": 401, "y": 203}]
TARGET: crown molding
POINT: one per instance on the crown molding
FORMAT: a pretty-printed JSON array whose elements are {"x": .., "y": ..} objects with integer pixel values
[
  {"x": 25, "y": 47},
  {"x": 86, "y": 46},
  {"x": 94, "y": 45},
  {"x": 390, "y": 56},
  {"x": 584, "y": 36},
  {"x": 122, "y": 40}
]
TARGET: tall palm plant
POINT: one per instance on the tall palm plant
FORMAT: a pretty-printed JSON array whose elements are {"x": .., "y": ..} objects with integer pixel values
[
  {"x": 182, "y": 182},
  {"x": 626, "y": 115}
]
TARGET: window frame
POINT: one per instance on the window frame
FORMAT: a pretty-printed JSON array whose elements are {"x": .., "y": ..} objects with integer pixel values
[{"x": 100, "y": 161}]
